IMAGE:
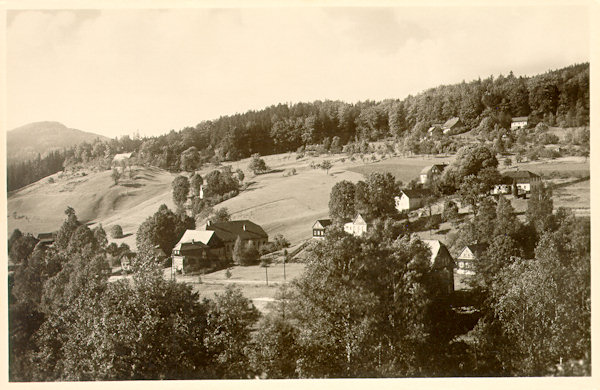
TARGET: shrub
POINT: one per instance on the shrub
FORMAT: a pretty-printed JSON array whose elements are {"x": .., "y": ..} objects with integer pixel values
[
  {"x": 116, "y": 231},
  {"x": 51, "y": 180}
]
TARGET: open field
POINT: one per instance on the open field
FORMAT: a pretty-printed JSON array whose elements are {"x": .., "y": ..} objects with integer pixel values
[
  {"x": 565, "y": 166},
  {"x": 250, "y": 279},
  {"x": 575, "y": 196},
  {"x": 403, "y": 168}
]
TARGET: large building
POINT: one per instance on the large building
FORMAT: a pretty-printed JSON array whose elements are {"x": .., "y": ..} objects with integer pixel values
[{"x": 213, "y": 245}]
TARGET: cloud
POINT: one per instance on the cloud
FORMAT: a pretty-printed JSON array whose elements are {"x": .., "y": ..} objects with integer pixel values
[{"x": 117, "y": 71}]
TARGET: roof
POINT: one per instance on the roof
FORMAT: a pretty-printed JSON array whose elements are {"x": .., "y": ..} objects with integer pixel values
[
  {"x": 520, "y": 174},
  {"x": 323, "y": 222},
  {"x": 428, "y": 168},
  {"x": 451, "y": 122},
  {"x": 360, "y": 218},
  {"x": 436, "y": 247},
  {"x": 417, "y": 193},
  {"x": 194, "y": 236},
  {"x": 520, "y": 119},
  {"x": 231, "y": 230},
  {"x": 122, "y": 156},
  {"x": 476, "y": 249}
]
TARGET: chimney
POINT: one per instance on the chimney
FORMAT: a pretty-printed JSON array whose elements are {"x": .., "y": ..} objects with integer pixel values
[
  {"x": 244, "y": 227},
  {"x": 208, "y": 223}
]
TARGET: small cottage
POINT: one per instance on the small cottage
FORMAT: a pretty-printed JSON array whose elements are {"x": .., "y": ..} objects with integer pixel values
[
  {"x": 523, "y": 180},
  {"x": 453, "y": 126},
  {"x": 247, "y": 231},
  {"x": 431, "y": 172},
  {"x": 467, "y": 258},
  {"x": 359, "y": 226},
  {"x": 518, "y": 122},
  {"x": 319, "y": 228},
  {"x": 411, "y": 199}
]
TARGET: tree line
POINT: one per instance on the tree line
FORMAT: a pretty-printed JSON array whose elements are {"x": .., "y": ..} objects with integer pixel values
[{"x": 559, "y": 97}]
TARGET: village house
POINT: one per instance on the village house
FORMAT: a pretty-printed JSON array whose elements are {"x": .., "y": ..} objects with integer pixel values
[
  {"x": 431, "y": 172},
  {"x": 213, "y": 245},
  {"x": 518, "y": 122},
  {"x": 46, "y": 239},
  {"x": 198, "y": 249},
  {"x": 467, "y": 258},
  {"x": 319, "y": 228},
  {"x": 435, "y": 129},
  {"x": 453, "y": 126},
  {"x": 121, "y": 160},
  {"x": 523, "y": 180},
  {"x": 442, "y": 264},
  {"x": 411, "y": 199},
  {"x": 359, "y": 226},
  {"x": 247, "y": 231}
]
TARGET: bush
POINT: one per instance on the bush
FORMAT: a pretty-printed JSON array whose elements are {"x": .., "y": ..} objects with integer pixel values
[
  {"x": 51, "y": 180},
  {"x": 116, "y": 231}
]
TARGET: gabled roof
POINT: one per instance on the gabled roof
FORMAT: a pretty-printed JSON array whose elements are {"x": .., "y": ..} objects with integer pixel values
[
  {"x": 195, "y": 237},
  {"x": 520, "y": 119},
  {"x": 46, "y": 238},
  {"x": 229, "y": 231},
  {"x": 361, "y": 219},
  {"x": 428, "y": 168},
  {"x": 476, "y": 249},
  {"x": 122, "y": 156},
  {"x": 417, "y": 193},
  {"x": 451, "y": 122},
  {"x": 437, "y": 248},
  {"x": 322, "y": 223}
]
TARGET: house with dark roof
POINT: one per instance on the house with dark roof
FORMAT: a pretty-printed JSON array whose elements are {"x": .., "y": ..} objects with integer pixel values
[
  {"x": 523, "y": 180},
  {"x": 411, "y": 199},
  {"x": 359, "y": 226},
  {"x": 319, "y": 228},
  {"x": 453, "y": 126},
  {"x": 431, "y": 172},
  {"x": 467, "y": 258},
  {"x": 518, "y": 122},
  {"x": 442, "y": 265},
  {"x": 46, "y": 238},
  {"x": 229, "y": 231}
]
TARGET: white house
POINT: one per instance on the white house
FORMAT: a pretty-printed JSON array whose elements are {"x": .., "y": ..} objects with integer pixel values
[
  {"x": 121, "y": 160},
  {"x": 518, "y": 122},
  {"x": 431, "y": 172},
  {"x": 320, "y": 227},
  {"x": 411, "y": 199},
  {"x": 467, "y": 258},
  {"x": 357, "y": 227},
  {"x": 524, "y": 180}
]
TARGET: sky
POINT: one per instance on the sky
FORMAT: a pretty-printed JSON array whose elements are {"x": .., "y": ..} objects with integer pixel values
[{"x": 120, "y": 71}]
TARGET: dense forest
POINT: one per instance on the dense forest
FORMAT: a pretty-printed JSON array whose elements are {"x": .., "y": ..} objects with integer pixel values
[{"x": 557, "y": 98}]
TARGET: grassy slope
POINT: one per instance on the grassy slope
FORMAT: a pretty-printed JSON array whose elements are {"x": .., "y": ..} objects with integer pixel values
[{"x": 281, "y": 204}]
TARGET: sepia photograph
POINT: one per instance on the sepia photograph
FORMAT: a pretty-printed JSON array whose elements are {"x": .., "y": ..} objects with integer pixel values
[{"x": 298, "y": 190}]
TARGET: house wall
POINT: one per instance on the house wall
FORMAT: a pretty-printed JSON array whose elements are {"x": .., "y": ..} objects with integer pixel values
[
  {"x": 518, "y": 125},
  {"x": 355, "y": 229},
  {"x": 319, "y": 234}
]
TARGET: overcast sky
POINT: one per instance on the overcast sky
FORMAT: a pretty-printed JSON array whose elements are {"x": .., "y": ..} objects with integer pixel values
[{"x": 115, "y": 72}]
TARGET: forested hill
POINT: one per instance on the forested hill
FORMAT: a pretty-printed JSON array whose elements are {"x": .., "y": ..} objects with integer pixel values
[
  {"x": 26, "y": 142},
  {"x": 558, "y": 98}
]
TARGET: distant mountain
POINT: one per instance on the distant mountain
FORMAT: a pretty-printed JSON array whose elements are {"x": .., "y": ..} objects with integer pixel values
[{"x": 25, "y": 142}]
